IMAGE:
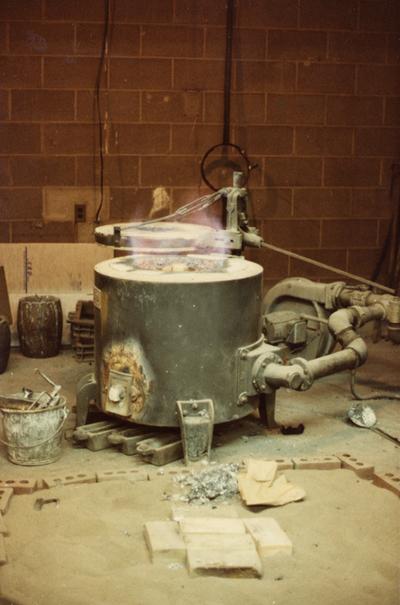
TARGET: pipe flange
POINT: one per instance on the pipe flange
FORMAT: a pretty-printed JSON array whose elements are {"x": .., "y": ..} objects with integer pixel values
[
  {"x": 308, "y": 377},
  {"x": 259, "y": 382},
  {"x": 332, "y": 292}
]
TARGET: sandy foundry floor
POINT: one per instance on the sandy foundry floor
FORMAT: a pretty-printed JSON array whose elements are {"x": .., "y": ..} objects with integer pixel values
[{"x": 90, "y": 550}]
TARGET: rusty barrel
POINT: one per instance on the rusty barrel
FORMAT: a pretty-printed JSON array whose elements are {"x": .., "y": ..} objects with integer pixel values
[{"x": 39, "y": 324}]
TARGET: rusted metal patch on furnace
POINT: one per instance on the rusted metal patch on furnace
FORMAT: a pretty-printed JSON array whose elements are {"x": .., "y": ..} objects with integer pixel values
[{"x": 127, "y": 359}]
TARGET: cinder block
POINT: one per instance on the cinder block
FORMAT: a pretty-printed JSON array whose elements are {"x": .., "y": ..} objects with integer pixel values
[
  {"x": 3, "y": 528},
  {"x": 242, "y": 561},
  {"x": 194, "y": 74},
  {"x": 295, "y": 109},
  {"x": 19, "y": 138},
  {"x": 322, "y": 463},
  {"x": 377, "y": 80},
  {"x": 294, "y": 172},
  {"x": 156, "y": 170},
  {"x": 164, "y": 541},
  {"x": 320, "y": 141},
  {"x": 390, "y": 481},
  {"x": 192, "y": 511},
  {"x": 5, "y": 496},
  {"x": 377, "y": 141},
  {"x": 20, "y": 72},
  {"x": 289, "y": 45},
  {"x": 172, "y": 41},
  {"x": 38, "y": 171},
  {"x": 348, "y": 233},
  {"x": 31, "y": 105},
  {"x": 132, "y": 474},
  {"x": 354, "y": 111},
  {"x": 20, "y": 486},
  {"x": 326, "y": 77},
  {"x": 58, "y": 38},
  {"x": 363, "y": 470},
  {"x": 140, "y": 74},
  {"x": 270, "y": 539},
  {"x": 3, "y": 555},
  {"x": 211, "y": 525},
  {"x": 356, "y": 172},
  {"x": 68, "y": 479},
  {"x": 328, "y": 14}
]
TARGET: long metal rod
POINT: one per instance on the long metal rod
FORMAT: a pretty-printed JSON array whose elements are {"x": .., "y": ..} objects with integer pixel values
[{"x": 316, "y": 263}]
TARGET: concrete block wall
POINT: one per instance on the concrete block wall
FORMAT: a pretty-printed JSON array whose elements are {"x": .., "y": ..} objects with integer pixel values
[{"x": 315, "y": 103}]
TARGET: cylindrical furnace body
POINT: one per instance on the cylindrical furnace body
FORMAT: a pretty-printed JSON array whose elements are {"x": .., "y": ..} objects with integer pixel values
[{"x": 169, "y": 330}]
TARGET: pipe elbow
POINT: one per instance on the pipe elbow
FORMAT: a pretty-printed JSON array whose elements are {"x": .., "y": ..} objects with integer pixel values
[
  {"x": 339, "y": 321},
  {"x": 358, "y": 345}
]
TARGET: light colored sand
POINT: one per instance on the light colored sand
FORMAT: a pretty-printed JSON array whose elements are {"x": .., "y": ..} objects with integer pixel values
[{"x": 90, "y": 550}]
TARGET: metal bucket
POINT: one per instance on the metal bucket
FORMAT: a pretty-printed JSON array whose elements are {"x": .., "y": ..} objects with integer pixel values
[{"x": 33, "y": 437}]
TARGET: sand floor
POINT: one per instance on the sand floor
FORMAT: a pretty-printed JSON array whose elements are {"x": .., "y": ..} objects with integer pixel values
[{"x": 90, "y": 549}]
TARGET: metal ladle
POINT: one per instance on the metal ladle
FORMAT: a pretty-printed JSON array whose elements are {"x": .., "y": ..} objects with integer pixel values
[{"x": 364, "y": 416}]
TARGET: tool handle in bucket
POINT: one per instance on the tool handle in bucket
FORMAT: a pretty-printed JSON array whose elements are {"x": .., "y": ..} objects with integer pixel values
[{"x": 66, "y": 413}]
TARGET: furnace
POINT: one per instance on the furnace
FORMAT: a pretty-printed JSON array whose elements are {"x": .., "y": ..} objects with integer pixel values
[{"x": 183, "y": 337}]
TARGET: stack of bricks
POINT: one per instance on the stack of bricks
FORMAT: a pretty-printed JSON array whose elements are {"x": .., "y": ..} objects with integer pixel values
[
  {"x": 217, "y": 545},
  {"x": 315, "y": 103}
]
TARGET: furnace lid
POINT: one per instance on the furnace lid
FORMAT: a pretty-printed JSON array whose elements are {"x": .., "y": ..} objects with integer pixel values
[{"x": 160, "y": 237}]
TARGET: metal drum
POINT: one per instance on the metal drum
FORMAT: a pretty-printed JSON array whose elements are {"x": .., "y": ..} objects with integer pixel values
[
  {"x": 40, "y": 322},
  {"x": 168, "y": 328}
]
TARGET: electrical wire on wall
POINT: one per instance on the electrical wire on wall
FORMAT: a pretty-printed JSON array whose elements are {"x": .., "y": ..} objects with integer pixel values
[
  {"x": 97, "y": 103},
  {"x": 390, "y": 254}
]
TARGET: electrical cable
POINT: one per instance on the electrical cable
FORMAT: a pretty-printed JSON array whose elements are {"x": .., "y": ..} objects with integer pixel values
[
  {"x": 390, "y": 252},
  {"x": 230, "y": 15},
  {"x": 230, "y": 18},
  {"x": 366, "y": 397},
  {"x": 104, "y": 50}
]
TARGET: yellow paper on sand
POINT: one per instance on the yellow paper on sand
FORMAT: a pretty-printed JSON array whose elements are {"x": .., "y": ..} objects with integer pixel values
[
  {"x": 261, "y": 470},
  {"x": 271, "y": 492}
]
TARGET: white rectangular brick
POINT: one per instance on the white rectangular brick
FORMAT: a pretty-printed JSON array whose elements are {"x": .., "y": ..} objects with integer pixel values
[
  {"x": 212, "y": 525},
  {"x": 241, "y": 562},
  {"x": 164, "y": 541},
  {"x": 269, "y": 537}
]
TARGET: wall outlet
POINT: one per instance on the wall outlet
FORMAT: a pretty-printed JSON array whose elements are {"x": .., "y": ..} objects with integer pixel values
[{"x": 80, "y": 213}]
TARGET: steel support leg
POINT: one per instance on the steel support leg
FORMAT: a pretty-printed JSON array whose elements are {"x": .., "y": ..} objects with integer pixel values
[{"x": 266, "y": 408}]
